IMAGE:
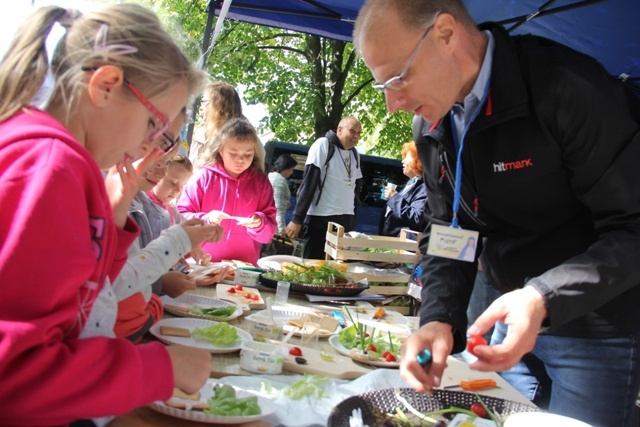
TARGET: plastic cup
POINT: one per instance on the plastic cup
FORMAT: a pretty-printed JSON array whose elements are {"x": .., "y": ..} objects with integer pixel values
[
  {"x": 282, "y": 292},
  {"x": 309, "y": 334},
  {"x": 391, "y": 186}
]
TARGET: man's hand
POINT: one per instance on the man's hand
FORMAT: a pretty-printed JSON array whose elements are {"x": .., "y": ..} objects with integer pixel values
[
  {"x": 523, "y": 311},
  {"x": 435, "y": 337},
  {"x": 292, "y": 230}
]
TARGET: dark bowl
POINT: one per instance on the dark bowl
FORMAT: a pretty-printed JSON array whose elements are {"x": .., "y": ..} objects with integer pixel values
[
  {"x": 375, "y": 404},
  {"x": 338, "y": 290}
]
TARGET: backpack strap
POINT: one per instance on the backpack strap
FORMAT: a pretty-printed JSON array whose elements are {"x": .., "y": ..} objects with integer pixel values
[{"x": 331, "y": 149}]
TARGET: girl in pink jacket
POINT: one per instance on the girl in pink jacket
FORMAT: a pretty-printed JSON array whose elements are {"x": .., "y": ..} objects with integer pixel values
[
  {"x": 117, "y": 81},
  {"x": 232, "y": 189}
]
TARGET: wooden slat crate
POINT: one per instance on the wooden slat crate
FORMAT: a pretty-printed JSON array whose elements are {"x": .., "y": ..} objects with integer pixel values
[{"x": 341, "y": 247}]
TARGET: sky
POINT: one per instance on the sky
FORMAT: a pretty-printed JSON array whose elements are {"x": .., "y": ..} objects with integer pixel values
[{"x": 13, "y": 16}]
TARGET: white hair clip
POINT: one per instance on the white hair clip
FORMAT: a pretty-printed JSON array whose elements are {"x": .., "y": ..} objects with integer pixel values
[{"x": 56, "y": 33}]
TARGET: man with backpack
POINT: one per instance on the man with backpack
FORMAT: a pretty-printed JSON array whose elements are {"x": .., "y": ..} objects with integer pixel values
[{"x": 329, "y": 186}]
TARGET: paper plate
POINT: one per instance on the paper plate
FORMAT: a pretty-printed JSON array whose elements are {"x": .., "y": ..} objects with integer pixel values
[
  {"x": 282, "y": 314},
  {"x": 192, "y": 324},
  {"x": 376, "y": 404},
  {"x": 274, "y": 262},
  {"x": 542, "y": 419},
  {"x": 266, "y": 406},
  {"x": 337, "y": 345},
  {"x": 186, "y": 301}
]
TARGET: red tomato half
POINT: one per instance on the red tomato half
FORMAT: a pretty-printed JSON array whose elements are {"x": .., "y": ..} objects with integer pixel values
[
  {"x": 239, "y": 287},
  {"x": 389, "y": 357},
  {"x": 295, "y": 351},
  {"x": 473, "y": 341},
  {"x": 478, "y": 409},
  {"x": 231, "y": 291}
]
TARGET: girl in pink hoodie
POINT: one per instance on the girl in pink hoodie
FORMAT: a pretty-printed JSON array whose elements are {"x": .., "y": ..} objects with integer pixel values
[
  {"x": 233, "y": 190},
  {"x": 116, "y": 79}
]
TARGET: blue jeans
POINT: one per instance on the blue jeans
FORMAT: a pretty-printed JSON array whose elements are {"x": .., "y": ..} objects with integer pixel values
[
  {"x": 481, "y": 298},
  {"x": 592, "y": 380}
]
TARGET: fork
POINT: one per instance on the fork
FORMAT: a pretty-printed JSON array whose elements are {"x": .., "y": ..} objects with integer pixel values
[{"x": 355, "y": 420}]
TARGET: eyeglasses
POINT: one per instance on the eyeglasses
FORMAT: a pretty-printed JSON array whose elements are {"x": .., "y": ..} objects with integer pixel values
[
  {"x": 164, "y": 121},
  {"x": 167, "y": 143},
  {"x": 398, "y": 82}
]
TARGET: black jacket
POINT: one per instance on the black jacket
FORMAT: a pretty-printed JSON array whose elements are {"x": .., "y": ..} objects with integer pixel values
[
  {"x": 406, "y": 211},
  {"x": 550, "y": 178}
]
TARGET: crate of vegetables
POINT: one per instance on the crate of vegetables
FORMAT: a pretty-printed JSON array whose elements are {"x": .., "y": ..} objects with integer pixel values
[
  {"x": 341, "y": 246},
  {"x": 383, "y": 281}
]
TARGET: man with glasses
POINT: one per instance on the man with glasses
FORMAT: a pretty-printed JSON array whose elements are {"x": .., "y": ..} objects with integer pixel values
[
  {"x": 531, "y": 148},
  {"x": 329, "y": 188}
]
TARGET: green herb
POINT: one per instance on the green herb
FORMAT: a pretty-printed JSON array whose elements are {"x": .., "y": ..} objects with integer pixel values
[
  {"x": 220, "y": 334},
  {"x": 225, "y": 403},
  {"x": 220, "y": 312}
]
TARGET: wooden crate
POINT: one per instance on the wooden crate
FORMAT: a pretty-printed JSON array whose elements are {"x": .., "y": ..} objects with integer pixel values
[
  {"x": 339, "y": 247},
  {"x": 360, "y": 271}
]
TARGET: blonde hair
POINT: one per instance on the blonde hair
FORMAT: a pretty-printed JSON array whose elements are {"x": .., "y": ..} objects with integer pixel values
[
  {"x": 181, "y": 161},
  {"x": 241, "y": 130},
  {"x": 223, "y": 105},
  {"x": 126, "y": 35}
]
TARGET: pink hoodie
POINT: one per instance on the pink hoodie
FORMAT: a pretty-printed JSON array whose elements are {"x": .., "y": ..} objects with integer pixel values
[
  {"x": 58, "y": 249},
  {"x": 212, "y": 188}
]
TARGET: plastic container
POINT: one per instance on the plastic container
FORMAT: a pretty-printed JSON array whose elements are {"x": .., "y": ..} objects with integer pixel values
[
  {"x": 261, "y": 328},
  {"x": 261, "y": 357},
  {"x": 247, "y": 277}
]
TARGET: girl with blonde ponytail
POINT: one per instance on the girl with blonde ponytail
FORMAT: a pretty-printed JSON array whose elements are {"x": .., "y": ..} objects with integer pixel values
[{"x": 98, "y": 101}]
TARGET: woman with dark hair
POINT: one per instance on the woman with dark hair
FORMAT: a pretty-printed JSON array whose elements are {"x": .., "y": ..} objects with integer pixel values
[
  {"x": 406, "y": 209},
  {"x": 282, "y": 169}
]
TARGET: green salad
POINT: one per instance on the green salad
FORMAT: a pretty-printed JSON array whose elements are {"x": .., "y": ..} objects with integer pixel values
[
  {"x": 220, "y": 312},
  {"x": 220, "y": 334},
  {"x": 226, "y": 404}
]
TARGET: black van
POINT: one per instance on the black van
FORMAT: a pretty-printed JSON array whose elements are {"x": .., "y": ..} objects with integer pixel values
[{"x": 376, "y": 172}]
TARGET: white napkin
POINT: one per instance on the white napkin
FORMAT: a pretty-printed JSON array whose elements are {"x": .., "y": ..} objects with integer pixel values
[{"x": 310, "y": 411}]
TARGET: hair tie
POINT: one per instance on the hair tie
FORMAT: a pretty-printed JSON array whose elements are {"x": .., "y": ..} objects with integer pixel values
[
  {"x": 100, "y": 44},
  {"x": 56, "y": 33}
]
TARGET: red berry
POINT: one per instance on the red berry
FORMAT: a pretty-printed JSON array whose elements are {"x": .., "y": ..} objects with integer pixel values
[
  {"x": 478, "y": 409},
  {"x": 473, "y": 341}
]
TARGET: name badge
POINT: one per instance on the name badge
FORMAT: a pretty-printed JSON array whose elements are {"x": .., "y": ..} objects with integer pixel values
[{"x": 454, "y": 243}]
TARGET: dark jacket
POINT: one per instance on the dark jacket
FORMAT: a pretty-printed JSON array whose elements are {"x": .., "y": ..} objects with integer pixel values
[
  {"x": 406, "y": 210},
  {"x": 551, "y": 180}
]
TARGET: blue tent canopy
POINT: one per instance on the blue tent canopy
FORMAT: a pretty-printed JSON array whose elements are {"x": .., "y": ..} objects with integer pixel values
[{"x": 608, "y": 30}]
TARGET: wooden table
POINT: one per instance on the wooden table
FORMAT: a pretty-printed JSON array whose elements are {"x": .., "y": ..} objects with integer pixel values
[{"x": 229, "y": 364}]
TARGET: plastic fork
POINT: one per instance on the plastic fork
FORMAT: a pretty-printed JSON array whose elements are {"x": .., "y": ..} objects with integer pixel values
[{"x": 355, "y": 420}]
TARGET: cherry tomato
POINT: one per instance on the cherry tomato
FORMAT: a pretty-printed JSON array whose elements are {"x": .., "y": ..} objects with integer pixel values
[
  {"x": 478, "y": 409},
  {"x": 372, "y": 348},
  {"x": 473, "y": 341},
  {"x": 239, "y": 287},
  {"x": 231, "y": 291},
  {"x": 255, "y": 297},
  {"x": 389, "y": 357},
  {"x": 248, "y": 296},
  {"x": 295, "y": 351}
]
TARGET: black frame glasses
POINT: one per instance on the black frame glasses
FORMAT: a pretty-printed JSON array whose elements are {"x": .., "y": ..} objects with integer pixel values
[{"x": 167, "y": 143}]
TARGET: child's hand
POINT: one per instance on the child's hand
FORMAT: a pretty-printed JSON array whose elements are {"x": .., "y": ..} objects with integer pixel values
[
  {"x": 215, "y": 217},
  {"x": 255, "y": 222},
  {"x": 200, "y": 256},
  {"x": 121, "y": 183},
  {"x": 199, "y": 231},
  {"x": 175, "y": 283},
  {"x": 214, "y": 278},
  {"x": 191, "y": 367}
]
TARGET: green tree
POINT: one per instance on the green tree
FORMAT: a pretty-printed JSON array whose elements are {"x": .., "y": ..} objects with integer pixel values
[{"x": 307, "y": 82}]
